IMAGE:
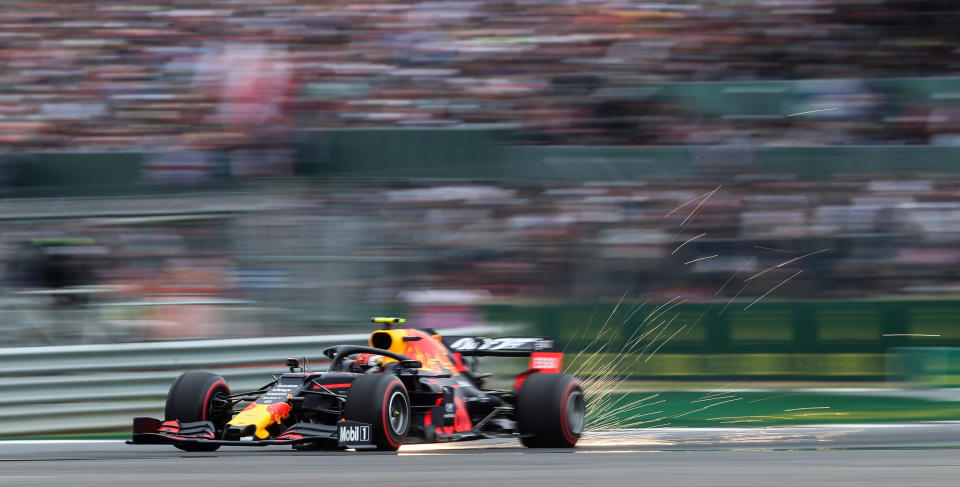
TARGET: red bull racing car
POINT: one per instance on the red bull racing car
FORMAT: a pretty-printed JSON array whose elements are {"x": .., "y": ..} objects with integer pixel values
[{"x": 408, "y": 386}]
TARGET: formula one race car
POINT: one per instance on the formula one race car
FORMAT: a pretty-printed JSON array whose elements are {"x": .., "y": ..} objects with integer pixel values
[{"x": 409, "y": 386}]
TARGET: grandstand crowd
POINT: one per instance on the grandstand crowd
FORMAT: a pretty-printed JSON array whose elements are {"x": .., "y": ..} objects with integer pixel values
[
  {"x": 369, "y": 242},
  {"x": 222, "y": 74},
  {"x": 197, "y": 264}
]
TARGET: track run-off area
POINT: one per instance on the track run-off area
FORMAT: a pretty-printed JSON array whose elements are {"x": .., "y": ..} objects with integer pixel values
[{"x": 888, "y": 454}]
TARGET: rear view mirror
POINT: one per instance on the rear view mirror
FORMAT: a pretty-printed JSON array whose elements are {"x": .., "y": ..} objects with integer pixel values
[{"x": 293, "y": 363}]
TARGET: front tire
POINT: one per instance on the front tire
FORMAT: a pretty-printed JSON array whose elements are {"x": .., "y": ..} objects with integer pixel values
[
  {"x": 191, "y": 398},
  {"x": 551, "y": 411},
  {"x": 382, "y": 401}
]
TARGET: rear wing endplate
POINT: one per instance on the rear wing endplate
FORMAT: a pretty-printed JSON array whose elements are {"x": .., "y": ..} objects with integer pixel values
[{"x": 478, "y": 346}]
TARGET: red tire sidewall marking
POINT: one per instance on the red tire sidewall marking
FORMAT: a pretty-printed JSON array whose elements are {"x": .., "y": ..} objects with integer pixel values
[
  {"x": 564, "y": 427},
  {"x": 386, "y": 414},
  {"x": 206, "y": 400}
]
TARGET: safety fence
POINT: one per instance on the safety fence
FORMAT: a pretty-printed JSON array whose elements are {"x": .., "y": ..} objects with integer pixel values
[{"x": 89, "y": 388}]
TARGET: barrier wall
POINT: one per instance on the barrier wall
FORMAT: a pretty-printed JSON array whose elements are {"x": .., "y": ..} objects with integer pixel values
[
  {"x": 482, "y": 154},
  {"x": 89, "y": 388},
  {"x": 776, "y": 98},
  {"x": 798, "y": 340},
  {"x": 929, "y": 366},
  {"x": 400, "y": 152},
  {"x": 805, "y": 163}
]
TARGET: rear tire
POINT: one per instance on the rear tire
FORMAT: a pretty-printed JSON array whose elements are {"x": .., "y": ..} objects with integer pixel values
[
  {"x": 382, "y": 401},
  {"x": 551, "y": 411},
  {"x": 191, "y": 399}
]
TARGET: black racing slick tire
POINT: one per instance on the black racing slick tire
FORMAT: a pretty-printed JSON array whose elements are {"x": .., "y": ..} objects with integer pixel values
[
  {"x": 551, "y": 411},
  {"x": 382, "y": 401},
  {"x": 192, "y": 397}
]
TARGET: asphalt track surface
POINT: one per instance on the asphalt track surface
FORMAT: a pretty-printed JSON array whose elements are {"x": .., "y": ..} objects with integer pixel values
[{"x": 855, "y": 455}]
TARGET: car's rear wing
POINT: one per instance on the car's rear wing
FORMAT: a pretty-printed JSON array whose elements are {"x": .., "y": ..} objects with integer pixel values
[
  {"x": 545, "y": 354},
  {"x": 499, "y": 347}
]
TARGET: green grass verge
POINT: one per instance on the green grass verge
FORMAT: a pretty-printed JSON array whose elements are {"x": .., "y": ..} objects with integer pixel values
[{"x": 767, "y": 408}]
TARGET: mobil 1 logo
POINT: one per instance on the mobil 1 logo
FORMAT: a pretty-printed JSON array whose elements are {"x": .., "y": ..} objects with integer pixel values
[{"x": 352, "y": 433}]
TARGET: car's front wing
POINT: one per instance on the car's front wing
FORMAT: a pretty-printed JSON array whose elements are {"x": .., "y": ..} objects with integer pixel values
[{"x": 150, "y": 431}]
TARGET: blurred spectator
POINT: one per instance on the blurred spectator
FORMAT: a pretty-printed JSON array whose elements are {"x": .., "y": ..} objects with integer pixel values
[
  {"x": 207, "y": 264},
  {"x": 235, "y": 73}
]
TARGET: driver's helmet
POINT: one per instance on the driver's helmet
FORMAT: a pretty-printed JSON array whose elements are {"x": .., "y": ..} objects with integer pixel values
[
  {"x": 367, "y": 363},
  {"x": 344, "y": 366}
]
